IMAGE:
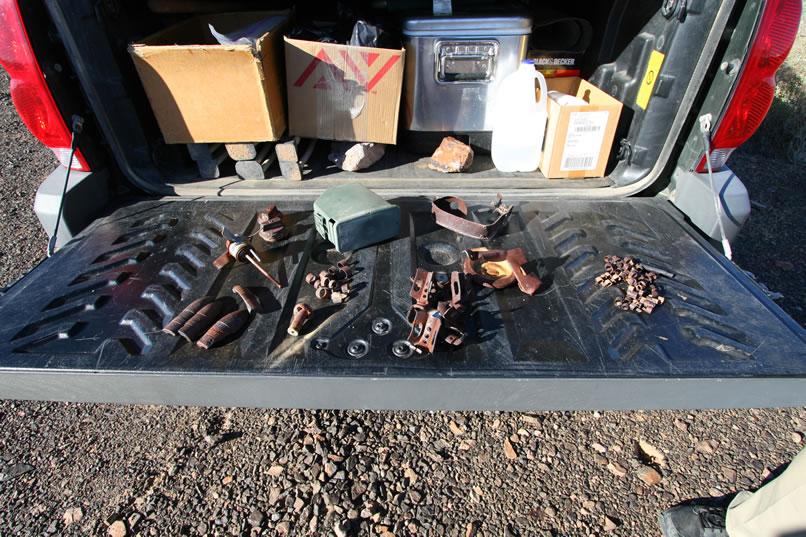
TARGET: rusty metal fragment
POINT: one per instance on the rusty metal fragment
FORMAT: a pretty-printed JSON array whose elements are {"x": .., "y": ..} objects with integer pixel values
[
  {"x": 641, "y": 294},
  {"x": 271, "y": 224},
  {"x": 201, "y": 321},
  {"x": 333, "y": 283},
  {"x": 185, "y": 315},
  {"x": 223, "y": 328},
  {"x": 499, "y": 269},
  {"x": 439, "y": 298},
  {"x": 456, "y": 219},
  {"x": 302, "y": 312},
  {"x": 249, "y": 299}
]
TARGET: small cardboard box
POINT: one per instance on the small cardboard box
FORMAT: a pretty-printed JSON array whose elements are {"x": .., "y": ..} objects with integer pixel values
[
  {"x": 342, "y": 92},
  {"x": 578, "y": 138},
  {"x": 201, "y": 91}
]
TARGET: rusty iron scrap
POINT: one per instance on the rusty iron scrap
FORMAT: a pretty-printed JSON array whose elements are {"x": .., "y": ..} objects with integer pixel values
[
  {"x": 223, "y": 328},
  {"x": 172, "y": 328},
  {"x": 641, "y": 294},
  {"x": 499, "y": 269},
  {"x": 456, "y": 219}
]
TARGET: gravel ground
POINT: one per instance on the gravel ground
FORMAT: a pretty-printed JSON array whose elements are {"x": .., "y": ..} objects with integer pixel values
[{"x": 80, "y": 469}]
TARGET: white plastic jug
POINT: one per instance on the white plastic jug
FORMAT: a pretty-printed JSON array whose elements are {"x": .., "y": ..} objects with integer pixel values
[{"x": 520, "y": 121}]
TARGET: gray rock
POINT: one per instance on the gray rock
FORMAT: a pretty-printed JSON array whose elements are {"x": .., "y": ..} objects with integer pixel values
[
  {"x": 256, "y": 518},
  {"x": 352, "y": 157}
]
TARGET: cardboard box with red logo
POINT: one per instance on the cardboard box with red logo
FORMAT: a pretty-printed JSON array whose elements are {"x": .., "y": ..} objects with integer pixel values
[
  {"x": 201, "y": 91},
  {"x": 343, "y": 92}
]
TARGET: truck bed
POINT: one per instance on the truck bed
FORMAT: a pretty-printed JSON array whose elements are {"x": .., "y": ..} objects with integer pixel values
[{"x": 90, "y": 324}]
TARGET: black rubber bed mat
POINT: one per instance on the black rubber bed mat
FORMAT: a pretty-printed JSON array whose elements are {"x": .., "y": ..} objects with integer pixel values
[{"x": 86, "y": 324}]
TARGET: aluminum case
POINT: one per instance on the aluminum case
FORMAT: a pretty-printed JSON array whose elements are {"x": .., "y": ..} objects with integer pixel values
[{"x": 454, "y": 67}]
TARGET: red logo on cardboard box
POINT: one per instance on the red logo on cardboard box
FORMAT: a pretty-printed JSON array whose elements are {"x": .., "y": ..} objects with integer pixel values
[{"x": 338, "y": 75}]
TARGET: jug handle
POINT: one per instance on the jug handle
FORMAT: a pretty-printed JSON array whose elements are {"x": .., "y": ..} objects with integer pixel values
[{"x": 541, "y": 80}]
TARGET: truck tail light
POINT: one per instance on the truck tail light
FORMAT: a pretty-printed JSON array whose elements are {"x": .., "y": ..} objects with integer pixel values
[
  {"x": 29, "y": 91},
  {"x": 755, "y": 89}
]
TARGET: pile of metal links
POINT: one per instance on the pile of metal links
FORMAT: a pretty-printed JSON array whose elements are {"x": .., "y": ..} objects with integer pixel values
[{"x": 642, "y": 294}]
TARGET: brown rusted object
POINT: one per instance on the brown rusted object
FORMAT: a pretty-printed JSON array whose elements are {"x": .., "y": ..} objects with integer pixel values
[
  {"x": 451, "y": 156},
  {"x": 499, "y": 269},
  {"x": 223, "y": 328},
  {"x": 201, "y": 321},
  {"x": 271, "y": 224},
  {"x": 242, "y": 251},
  {"x": 249, "y": 299},
  {"x": 322, "y": 293},
  {"x": 421, "y": 286},
  {"x": 641, "y": 294},
  {"x": 186, "y": 314},
  {"x": 457, "y": 290},
  {"x": 424, "y": 330},
  {"x": 302, "y": 312},
  {"x": 456, "y": 219},
  {"x": 311, "y": 278},
  {"x": 439, "y": 298}
]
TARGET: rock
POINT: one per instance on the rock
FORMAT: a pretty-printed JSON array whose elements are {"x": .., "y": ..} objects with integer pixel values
[
  {"x": 703, "y": 446},
  {"x": 797, "y": 437},
  {"x": 15, "y": 471},
  {"x": 609, "y": 524},
  {"x": 589, "y": 505},
  {"x": 117, "y": 529},
  {"x": 784, "y": 265},
  {"x": 458, "y": 430},
  {"x": 509, "y": 451},
  {"x": 648, "y": 475},
  {"x": 598, "y": 447},
  {"x": 74, "y": 514},
  {"x": 728, "y": 474},
  {"x": 682, "y": 425},
  {"x": 411, "y": 475},
  {"x": 255, "y": 518},
  {"x": 275, "y": 470},
  {"x": 551, "y": 512},
  {"x": 531, "y": 420},
  {"x": 651, "y": 453},
  {"x": 451, "y": 156},
  {"x": 600, "y": 460},
  {"x": 341, "y": 528},
  {"x": 330, "y": 469},
  {"x": 352, "y": 157},
  {"x": 616, "y": 469},
  {"x": 466, "y": 444},
  {"x": 274, "y": 495},
  {"x": 284, "y": 527},
  {"x": 227, "y": 480},
  {"x": 715, "y": 492}
]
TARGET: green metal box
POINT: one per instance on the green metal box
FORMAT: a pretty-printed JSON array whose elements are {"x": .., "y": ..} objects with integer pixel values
[{"x": 352, "y": 216}]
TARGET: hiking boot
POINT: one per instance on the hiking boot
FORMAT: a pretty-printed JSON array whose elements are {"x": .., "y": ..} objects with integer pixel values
[{"x": 693, "y": 521}]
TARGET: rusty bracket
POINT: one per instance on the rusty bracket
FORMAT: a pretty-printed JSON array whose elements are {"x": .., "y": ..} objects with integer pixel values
[
  {"x": 271, "y": 224},
  {"x": 456, "y": 219},
  {"x": 422, "y": 287},
  {"x": 499, "y": 269},
  {"x": 424, "y": 329}
]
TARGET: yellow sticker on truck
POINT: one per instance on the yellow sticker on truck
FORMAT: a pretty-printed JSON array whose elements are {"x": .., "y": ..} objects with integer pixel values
[{"x": 650, "y": 77}]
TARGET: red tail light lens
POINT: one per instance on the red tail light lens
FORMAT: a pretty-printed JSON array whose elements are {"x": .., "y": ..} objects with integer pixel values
[
  {"x": 755, "y": 89},
  {"x": 29, "y": 91}
]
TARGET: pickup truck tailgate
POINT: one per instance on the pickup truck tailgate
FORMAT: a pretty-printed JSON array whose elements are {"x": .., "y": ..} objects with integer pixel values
[{"x": 86, "y": 324}]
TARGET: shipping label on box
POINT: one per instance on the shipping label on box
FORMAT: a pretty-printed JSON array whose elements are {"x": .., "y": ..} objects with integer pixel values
[
  {"x": 342, "y": 92},
  {"x": 579, "y": 136}
]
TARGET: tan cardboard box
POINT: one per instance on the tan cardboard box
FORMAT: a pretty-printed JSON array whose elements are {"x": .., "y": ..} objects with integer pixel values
[
  {"x": 201, "y": 91},
  {"x": 578, "y": 138},
  {"x": 342, "y": 92}
]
